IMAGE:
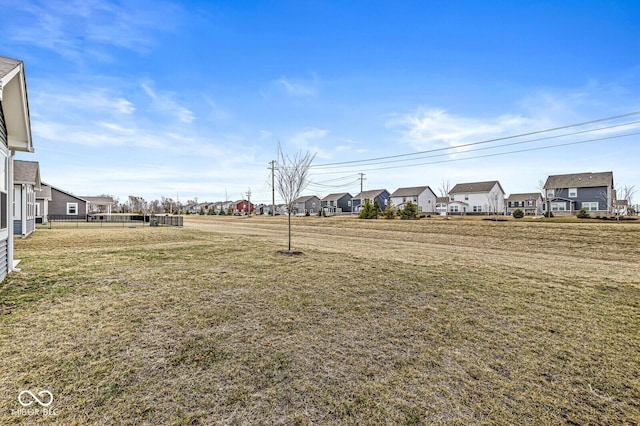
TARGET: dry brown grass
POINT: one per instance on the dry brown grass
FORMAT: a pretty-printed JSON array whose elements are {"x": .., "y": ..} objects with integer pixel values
[{"x": 381, "y": 322}]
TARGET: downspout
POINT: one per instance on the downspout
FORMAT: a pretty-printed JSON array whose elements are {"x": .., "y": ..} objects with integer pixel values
[{"x": 10, "y": 266}]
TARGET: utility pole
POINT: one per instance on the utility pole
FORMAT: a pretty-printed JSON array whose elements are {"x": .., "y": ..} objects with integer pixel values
[
  {"x": 249, "y": 202},
  {"x": 361, "y": 188},
  {"x": 273, "y": 188}
]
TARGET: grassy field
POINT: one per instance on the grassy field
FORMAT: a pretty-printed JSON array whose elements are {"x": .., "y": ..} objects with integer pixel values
[{"x": 380, "y": 322}]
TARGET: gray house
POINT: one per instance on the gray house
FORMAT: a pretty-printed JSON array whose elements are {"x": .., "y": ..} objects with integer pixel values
[
  {"x": 530, "y": 203},
  {"x": 26, "y": 180},
  {"x": 337, "y": 203},
  {"x": 380, "y": 195},
  {"x": 306, "y": 204},
  {"x": 15, "y": 135},
  {"x": 422, "y": 196},
  {"x": 43, "y": 197},
  {"x": 594, "y": 192},
  {"x": 65, "y": 205}
]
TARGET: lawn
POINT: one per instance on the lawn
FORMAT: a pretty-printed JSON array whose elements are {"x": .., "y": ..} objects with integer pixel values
[{"x": 380, "y": 322}]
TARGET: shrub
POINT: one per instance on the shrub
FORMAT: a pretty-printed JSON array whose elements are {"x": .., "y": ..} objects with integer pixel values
[
  {"x": 368, "y": 211},
  {"x": 548, "y": 213},
  {"x": 583, "y": 214},
  {"x": 390, "y": 211},
  {"x": 518, "y": 214},
  {"x": 410, "y": 211}
]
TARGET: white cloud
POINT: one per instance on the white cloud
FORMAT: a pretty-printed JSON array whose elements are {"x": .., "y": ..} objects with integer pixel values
[
  {"x": 163, "y": 101},
  {"x": 298, "y": 88},
  {"x": 82, "y": 28}
]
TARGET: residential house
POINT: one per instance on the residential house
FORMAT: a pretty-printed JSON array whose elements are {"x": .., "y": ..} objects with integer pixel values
[
  {"x": 305, "y": 204},
  {"x": 43, "y": 198},
  {"x": 26, "y": 180},
  {"x": 65, "y": 205},
  {"x": 15, "y": 135},
  {"x": 441, "y": 205},
  {"x": 566, "y": 194},
  {"x": 530, "y": 203},
  {"x": 381, "y": 195},
  {"x": 477, "y": 197},
  {"x": 97, "y": 205},
  {"x": 422, "y": 196},
  {"x": 336, "y": 203},
  {"x": 243, "y": 207}
]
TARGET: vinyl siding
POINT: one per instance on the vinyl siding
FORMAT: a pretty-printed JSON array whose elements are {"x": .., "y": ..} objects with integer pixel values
[{"x": 3, "y": 259}]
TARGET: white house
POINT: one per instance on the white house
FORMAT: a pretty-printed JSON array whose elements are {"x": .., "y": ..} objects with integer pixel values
[
  {"x": 26, "y": 181},
  {"x": 422, "y": 196},
  {"x": 15, "y": 135},
  {"x": 477, "y": 197}
]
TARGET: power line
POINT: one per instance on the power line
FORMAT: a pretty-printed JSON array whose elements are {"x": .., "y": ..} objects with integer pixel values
[
  {"x": 504, "y": 153},
  {"x": 492, "y": 147},
  {"x": 599, "y": 120}
]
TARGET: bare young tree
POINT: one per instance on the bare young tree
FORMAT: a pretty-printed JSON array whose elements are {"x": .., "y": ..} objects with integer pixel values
[
  {"x": 445, "y": 188},
  {"x": 291, "y": 178}
]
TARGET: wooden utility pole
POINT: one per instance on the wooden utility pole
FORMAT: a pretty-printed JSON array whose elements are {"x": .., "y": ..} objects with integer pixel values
[
  {"x": 273, "y": 188},
  {"x": 361, "y": 188},
  {"x": 249, "y": 202}
]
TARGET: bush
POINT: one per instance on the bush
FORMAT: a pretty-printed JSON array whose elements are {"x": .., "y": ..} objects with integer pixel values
[
  {"x": 518, "y": 214},
  {"x": 390, "y": 211},
  {"x": 548, "y": 214},
  {"x": 410, "y": 211},
  {"x": 583, "y": 214},
  {"x": 368, "y": 211}
]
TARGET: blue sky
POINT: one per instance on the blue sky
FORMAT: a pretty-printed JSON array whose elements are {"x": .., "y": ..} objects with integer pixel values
[{"x": 190, "y": 99}]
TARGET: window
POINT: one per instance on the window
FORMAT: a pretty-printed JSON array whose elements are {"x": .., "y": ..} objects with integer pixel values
[
  {"x": 551, "y": 193},
  {"x": 558, "y": 207},
  {"x": 453, "y": 209},
  {"x": 466, "y": 197},
  {"x": 404, "y": 199},
  {"x": 573, "y": 192},
  {"x": 590, "y": 206},
  {"x": 72, "y": 208},
  {"x": 452, "y": 198}
]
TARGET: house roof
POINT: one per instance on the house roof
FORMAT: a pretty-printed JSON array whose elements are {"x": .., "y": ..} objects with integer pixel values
[
  {"x": 63, "y": 191},
  {"x": 410, "y": 192},
  {"x": 442, "y": 200},
  {"x": 13, "y": 93},
  {"x": 475, "y": 187},
  {"x": 370, "y": 194},
  {"x": 335, "y": 197},
  {"x": 304, "y": 198},
  {"x": 26, "y": 172},
  {"x": 98, "y": 200},
  {"x": 524, "y": 197},
  {"x": 579, "y": 180},
  {"x": 44, "y": 192}
]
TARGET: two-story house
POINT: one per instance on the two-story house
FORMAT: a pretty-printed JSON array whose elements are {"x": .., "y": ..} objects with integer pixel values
[
  {"x": 422, "y": 196},
  {"x": 566, "y": 194},
  {"x": 336, "y": 203},
  {"x": 530, "y": 203},
  {"x": 477, "y": 197},
  {"x": 305, "y": 204},
  {"x": 381, "y": 195}
]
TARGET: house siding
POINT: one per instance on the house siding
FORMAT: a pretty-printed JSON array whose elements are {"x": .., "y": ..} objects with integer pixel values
[
  {"x": 3, "y": 128},
  {"x": 17, "y": 227},
  {"x": 4, "y": 259},
  {"x": 58, "y": 204},
  {"x": 4, "y": 213},
  {"x": 601, "y": 195}
]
